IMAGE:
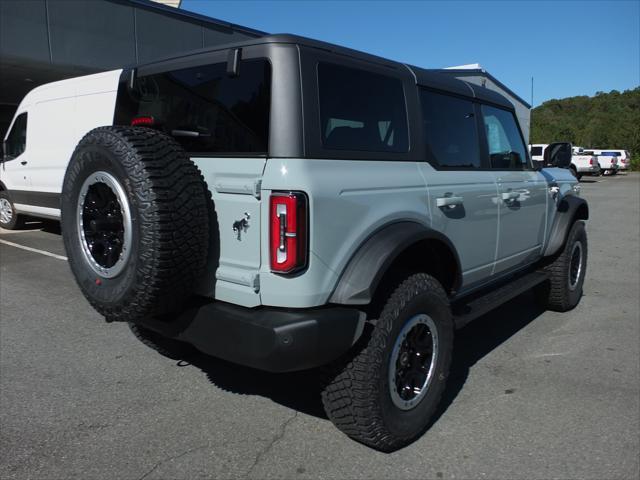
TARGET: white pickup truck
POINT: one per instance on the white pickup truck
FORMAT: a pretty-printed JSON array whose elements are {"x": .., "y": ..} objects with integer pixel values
[
  {"x": 584, "y": 163},
  {"x": 607, "y": 159}
]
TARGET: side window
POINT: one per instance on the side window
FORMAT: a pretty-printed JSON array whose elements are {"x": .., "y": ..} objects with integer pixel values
[
  {"x": 361, "y": 111},
  {"x": 206, "y": 110},
  {"x": 506, "y": 148},
  {"x": 16, "y": 142},
  {"x": 450, "y": 131}
]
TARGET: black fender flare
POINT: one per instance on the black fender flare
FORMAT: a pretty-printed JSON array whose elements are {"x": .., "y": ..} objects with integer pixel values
[
  {"x": 2, "y": 186},
  {"x": 569, "y": 209},
  {"x": 370, "y": 262}
]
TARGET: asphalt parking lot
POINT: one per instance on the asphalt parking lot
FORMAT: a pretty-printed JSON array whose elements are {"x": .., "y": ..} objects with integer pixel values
[{"x": 532, "y": 394}]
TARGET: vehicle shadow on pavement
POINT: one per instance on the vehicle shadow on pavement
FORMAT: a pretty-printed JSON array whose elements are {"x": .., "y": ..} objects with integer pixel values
[
  {"x": 301, "y": 390},
  {"x": 48, "y": 226},
  {"x": 481, "y": 337}
]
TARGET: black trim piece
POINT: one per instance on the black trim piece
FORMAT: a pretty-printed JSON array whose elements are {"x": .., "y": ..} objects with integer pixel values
[
  {"x": 271, "y": 339},
  {"x": 375, "y": 256},
  {"x": 37, "y": 199},
  {"x": 568, "y": 210},
  {"x": 478, "y": 304}
]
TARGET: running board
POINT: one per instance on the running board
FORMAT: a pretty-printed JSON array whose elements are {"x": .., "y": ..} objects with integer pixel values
[{"x": 476, "y": 305}]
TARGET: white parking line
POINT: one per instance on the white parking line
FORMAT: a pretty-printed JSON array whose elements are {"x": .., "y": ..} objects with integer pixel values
[{"x": 35, "y": 250}]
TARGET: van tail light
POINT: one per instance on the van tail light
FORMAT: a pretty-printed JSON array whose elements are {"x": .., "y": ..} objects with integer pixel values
[
  {"x": 288, "y": 217},
  {"x": 591, "y": 161}
]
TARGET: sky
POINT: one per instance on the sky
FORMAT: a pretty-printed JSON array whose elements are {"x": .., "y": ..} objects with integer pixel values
[{"x": 569, "y": 47}]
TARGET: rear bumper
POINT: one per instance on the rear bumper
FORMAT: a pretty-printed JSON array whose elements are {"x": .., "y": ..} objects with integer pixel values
[{"x": 275, "y": 340}]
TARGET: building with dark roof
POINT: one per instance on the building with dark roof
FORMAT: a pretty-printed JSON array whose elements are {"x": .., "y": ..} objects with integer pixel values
[{"x": 43, "y": 41}]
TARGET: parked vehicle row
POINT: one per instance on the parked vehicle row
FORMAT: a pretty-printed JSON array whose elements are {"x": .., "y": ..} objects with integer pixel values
[{"x": 586, "y": 162}]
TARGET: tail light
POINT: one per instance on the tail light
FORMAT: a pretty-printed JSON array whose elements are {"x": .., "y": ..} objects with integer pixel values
[
  {"x": 142, "y": 121},
  {"x": 591, "y": 161},
  {"x": 289, "y": 226}
]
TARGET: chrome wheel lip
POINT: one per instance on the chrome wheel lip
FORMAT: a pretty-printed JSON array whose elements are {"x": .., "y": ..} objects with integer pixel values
[
  {"x": 6, "y": 211},
  {"x": 571, "y": 278},
  {"x": 420, "y": 319},
  {"x": 121, "y": 196}
]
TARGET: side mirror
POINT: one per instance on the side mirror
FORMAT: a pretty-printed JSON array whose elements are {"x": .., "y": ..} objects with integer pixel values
[{"x": 558, "y": 155}]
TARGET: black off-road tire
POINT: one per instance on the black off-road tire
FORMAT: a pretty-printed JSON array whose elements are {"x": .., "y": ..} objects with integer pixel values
[
  {"x": 168, "y": 202},
  {"x": 167, "y": 347},
  {"x": 17, "y": 220},
  {"x": 357, "y": 396},
  {"x": 557, "y": 294}
]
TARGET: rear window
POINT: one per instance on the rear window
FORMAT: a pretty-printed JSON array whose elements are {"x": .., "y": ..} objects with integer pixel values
[
  {"x": 361, "y": 110},
  {"x": 536, "y": 151},
  {"x": 207, "y": 110},
  {"x": 610, "y": 154}
]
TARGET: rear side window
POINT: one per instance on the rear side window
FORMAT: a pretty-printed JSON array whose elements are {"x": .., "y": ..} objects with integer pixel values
[
  {"x": 361, "y": 111},
  {"x": 16, "y": 142},
  {"x": 536, "y": 151},
  {"x": 450, "y": 131},
  {"x": 506, "y": 148},
  {"x": 610, "y": 154},
  {"x": 208, "y": 111}
]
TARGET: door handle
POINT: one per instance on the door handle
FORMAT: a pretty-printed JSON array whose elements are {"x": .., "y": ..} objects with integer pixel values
[
  {"x": 449, "y": 201},
  {"x": 509, "y": 196},
  {"x": 23, "y": 162}
]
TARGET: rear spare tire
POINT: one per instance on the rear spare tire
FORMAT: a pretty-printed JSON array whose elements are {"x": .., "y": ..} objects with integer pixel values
[{"x": 134, "y": 222}]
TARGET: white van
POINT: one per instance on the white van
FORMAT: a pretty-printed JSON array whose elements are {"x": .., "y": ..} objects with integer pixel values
[{"x": 36, "y": 150}]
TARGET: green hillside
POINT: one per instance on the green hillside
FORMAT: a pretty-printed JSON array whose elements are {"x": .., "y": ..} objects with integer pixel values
[{"x": 607, "y": 120}]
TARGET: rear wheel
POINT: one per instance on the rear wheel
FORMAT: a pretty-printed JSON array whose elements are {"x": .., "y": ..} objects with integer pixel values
[
  {"x": 385, "y": 392},
  {"x": 135, "y": 222},
  {"x": 566, "y": 273},
  {"x": 9, "y": 218},
  {"x": 575, "y": 173}
]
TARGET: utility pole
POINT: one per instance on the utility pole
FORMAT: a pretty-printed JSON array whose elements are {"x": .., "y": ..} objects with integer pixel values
[{"x": 531, "y": 91}]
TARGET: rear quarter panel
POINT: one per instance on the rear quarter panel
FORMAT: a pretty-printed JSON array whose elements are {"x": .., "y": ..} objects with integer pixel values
[{"x": 348, "y": 201}]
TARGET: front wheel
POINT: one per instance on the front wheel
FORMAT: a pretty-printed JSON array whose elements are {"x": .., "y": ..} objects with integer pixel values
[
  {"x": 566, "y": 273},
  {"x": 385, "y": 393},
  {"x": 9, "y": 218}
]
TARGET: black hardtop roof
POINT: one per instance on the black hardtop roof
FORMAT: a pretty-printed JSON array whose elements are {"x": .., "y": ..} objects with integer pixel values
[{"x": 432, "y": 78}]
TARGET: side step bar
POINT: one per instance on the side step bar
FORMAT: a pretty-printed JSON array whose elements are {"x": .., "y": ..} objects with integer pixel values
[{"x": 469, "y": 308}]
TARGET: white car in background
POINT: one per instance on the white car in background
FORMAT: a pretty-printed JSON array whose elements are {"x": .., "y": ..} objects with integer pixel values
[
  {"x": 624, "y": 158},
  {"x": 607, "y": 159}
]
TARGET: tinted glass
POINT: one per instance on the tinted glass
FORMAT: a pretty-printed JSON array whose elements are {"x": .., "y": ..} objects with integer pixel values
[
  {"x": 506, "y": 148},
  {"x": 361, "y": 110},
  {"x": 206, "y": 110},
  {"x": 610, "y": 154},
  {"x": 537, "y": 151},
  {"x": 16, "y": 142},
  {"x": 450, "y": 131}
]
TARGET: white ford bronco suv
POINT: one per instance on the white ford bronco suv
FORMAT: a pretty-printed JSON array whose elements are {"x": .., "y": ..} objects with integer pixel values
[{"x": 289, "y": 204}]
